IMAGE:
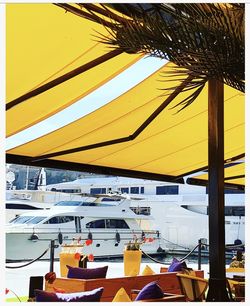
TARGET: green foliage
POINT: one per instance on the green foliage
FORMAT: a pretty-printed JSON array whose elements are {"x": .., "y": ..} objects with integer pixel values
[{"x": 133, "y": 245}]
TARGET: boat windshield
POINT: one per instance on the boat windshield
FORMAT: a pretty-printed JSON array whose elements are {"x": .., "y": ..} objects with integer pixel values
[
  {"x": 22, "y": 219},
  {"x": 68, "y": 203},
  {"x": 35, "y": 220},
  {"x": 80, "y": 203},
  {"x": 74, "y": 203}
]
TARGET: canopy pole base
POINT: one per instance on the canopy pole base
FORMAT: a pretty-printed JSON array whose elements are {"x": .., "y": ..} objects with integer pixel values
[{"x": 217, "y": 290}]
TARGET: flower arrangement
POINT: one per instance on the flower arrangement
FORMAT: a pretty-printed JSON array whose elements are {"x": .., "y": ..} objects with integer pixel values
[
  {"x": 74, "y": 251},
  {"x": 135, "y": 243},
  {"x": 132, "y": 260},
  {"x": 76, "y": 248}
]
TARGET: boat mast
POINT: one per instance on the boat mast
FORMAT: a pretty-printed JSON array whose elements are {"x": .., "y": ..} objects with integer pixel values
[{"x": 27, "y": 178}]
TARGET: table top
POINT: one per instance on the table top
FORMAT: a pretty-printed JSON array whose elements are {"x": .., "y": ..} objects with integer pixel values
[{"x": 239, "y": 276}]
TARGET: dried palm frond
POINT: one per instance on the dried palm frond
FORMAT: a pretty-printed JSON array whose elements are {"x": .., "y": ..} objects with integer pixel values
[{"x": 204, "y": 39}]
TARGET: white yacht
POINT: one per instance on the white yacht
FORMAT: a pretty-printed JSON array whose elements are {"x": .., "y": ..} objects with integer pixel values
[
  {"x": 110, "y": 223},
  {"x": 23, "y": 201},
  {"x": 180, "y": 210},
  {"x": 26, "y": 200}
]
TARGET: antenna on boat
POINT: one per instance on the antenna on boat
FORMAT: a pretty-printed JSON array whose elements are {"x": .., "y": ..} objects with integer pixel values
[
  {"x": 41, "y": 180},
  {"x": 27, "y": 178}
]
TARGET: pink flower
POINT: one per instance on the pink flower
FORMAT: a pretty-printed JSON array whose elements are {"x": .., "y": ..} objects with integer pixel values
[
  {"x": 91, "y": 257},
  {"x": 88, "y": 242},
  {"x": 148, "y": 240},
  {"x": 77, "y": 256}
]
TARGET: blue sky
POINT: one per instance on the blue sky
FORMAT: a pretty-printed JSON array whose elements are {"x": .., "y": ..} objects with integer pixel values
[{"x": 103, "y": 95}]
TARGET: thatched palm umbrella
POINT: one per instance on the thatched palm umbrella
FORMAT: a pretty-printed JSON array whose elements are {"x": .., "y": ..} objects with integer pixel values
[{"x": 205, "y": 41}]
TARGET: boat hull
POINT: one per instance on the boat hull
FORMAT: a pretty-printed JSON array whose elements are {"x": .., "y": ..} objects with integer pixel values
[{"x": 21, "y": 247}]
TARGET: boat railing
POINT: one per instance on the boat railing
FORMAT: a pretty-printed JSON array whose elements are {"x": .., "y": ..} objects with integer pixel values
[
  {"x": 97, "y": 235},
  {"x": 199, "y": 247},
  {"x": 53, "y": 245},
  {"x": 29, "y": 262}
]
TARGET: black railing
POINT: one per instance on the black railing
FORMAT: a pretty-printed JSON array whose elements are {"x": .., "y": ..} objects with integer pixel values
[
  {"x": 30, "y": 262},
  {"x": 200, "y": 246}
]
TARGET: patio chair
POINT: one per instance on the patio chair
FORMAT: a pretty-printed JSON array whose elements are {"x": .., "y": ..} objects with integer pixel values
[
  {"x": 237, "y": 290},
  {"x": 192, "y": 287}
]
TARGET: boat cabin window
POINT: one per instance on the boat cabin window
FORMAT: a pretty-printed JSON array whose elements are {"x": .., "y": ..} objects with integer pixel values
[
  {"x": 59, "y": 219},
  {"x": 66, "y": 190},
  {"x": 107, "y": 223},
  {"x": 238, "y": 211},
  {"x": 234, "y": 211},
  {"x": 231, "y": 191},
  {"x": 139, "y": 210},
  {"x": 167, "y": 189},
  {"x": 35, "y": 220},
  {"x": 110, "y": 199},
  {"x": 96, "y": 224},
  {"x": 124, "y": 190},
  {"x": 21, "y": 219},
  {"x": 134, "y": 190},
  {"x": 116, "y": 223},
  {"x": 68, "y": 203},
  {"x": 97, "y": 190},
  {"x": 20, "y": 206}
]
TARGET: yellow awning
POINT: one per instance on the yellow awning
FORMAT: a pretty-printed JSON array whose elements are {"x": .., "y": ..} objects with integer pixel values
[
  {"x": 233, "y": 173},
  {"x": 42, "y": 43},
  {"x": 174, "y": 143}
]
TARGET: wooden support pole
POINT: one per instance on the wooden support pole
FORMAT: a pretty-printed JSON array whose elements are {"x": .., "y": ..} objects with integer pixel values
[{"x": 217, "y": 278}]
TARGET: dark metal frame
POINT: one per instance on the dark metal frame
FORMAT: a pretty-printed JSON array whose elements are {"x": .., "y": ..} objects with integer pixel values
[
  {"x": 50, "y": 163},
  {"x": 63, "y": 78}
]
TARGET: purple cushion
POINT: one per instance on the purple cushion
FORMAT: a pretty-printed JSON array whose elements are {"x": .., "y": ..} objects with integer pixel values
[
  {"x": 176, "y": 265},
  {"x": 150, "y": 291},
  {"x": 86, "y": 296},
  {"x": 84, "y": 273}
]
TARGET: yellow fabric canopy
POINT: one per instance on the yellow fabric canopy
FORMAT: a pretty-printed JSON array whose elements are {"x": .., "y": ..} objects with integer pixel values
[
  {"x": 235, "y": 174},
  {"x": 42, "y": 43},
  {"x": 175, "y": 143}
]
